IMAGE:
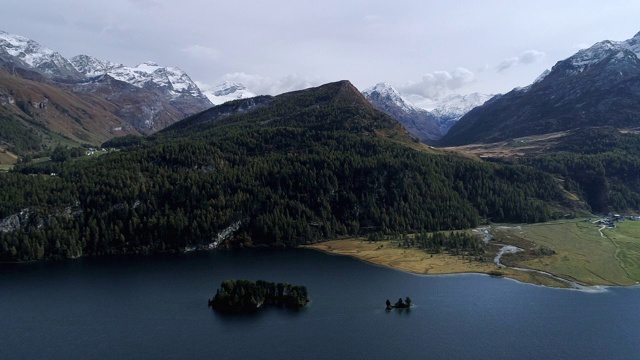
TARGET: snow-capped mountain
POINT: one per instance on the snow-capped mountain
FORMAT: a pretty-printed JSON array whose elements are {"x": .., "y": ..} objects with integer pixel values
[
  {"x": 147, "y": 75},
  {"x": 147, "y": 97},
  {"x": 586, "y": 58},
  {"x": 442, "y": 113},
  {"x": 450, "y": 109},
  {"x": 227, "y": 91},
  {"x": 389, "y": 94},
  {"x": 418, "y": 122},
  {"x": 27, "y": 53},
  {"x": 92, "y": 67},
  {"x": 595, "y": 87}
]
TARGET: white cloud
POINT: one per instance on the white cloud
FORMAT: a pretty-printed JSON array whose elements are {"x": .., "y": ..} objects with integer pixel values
[
  {"x": 294, "y": 82},
  {"x": 201, "y": 52},
  {"x": 527, "y": 57},
  {"x": 439, "y": 83},
  {"x": 531, "y": 56},
  {"x": 508, "y": 63}
]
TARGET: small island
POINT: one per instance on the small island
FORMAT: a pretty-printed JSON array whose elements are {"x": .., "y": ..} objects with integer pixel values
[
  {"x": 399, "y": 304},
  {"x": 241, "y": 296}
]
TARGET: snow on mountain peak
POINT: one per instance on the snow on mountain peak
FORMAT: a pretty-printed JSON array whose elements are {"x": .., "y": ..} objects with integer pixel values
[
  {"x": 36, "y": 56},
  {"x": 542, "y": 76},
  {"x": 584, "y": 58},
  {"x": 632, "y": 44},
  {"x": 227, "y": 91},
  {"x": 385, "y": 91},
  {"x": 148, "y": 75},
  {"x": 91, "y": 66},
  {"x": 228, "y": 87},
  {"x": 455, "y": 106},
  {"x": 27, "y": 50}
]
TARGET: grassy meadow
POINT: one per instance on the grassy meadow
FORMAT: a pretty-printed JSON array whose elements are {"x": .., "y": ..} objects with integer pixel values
[{"x": 584, "y": 252}]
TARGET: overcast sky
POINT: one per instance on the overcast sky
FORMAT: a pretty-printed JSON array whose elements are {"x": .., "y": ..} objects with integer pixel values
[{"x": 422, "y": 47}]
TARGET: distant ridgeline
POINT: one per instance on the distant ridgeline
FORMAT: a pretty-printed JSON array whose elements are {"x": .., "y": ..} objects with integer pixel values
[{"x": 246, "y": 296}]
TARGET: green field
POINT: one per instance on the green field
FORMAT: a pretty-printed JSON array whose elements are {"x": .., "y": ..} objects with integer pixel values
[
  {"x": 583, "y": 254},
  {"x": 626, "y": 237}
]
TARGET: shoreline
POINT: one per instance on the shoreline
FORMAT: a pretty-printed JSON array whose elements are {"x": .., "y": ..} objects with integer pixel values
[{"x": 418, "y": 262}]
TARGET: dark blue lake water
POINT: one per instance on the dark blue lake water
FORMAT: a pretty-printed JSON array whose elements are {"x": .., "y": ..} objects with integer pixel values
[{"x": 156, "y": 308}]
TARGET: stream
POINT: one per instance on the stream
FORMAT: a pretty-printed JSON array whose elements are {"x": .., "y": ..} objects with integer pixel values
[{"x": 510, "y": 249}]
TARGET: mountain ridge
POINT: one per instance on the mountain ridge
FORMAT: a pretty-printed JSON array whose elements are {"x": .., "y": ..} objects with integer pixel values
[
  {"x": 593, "y": 87},
  {"x": 420, "y": 123},
  {"x": 108, "y": 95},
  {"x": 305, "y": 108}
]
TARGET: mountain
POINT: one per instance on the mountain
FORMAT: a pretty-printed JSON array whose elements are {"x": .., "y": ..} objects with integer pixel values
[
  {"x": 28, "y": 54},
  {"x": 85, "y": 100},
  {"x": 36, "y": 115},
  {"x": 311, "y": 108},
  {"x": 419, "y": 122},
  {"x": 450, "y": 109},
  {"x": 598, "y": 86},
  {"x": 227, "y": 91},
  {"x": 170, "y": 81},
  {"x": 292, "y": 169},
  {"x": 165, "y": 94}
]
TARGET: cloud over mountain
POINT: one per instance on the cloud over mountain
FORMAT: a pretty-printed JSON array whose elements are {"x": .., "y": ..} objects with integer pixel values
[
  {"x": 201, "y": 52},
  {"x": 264, "y": 85},
  {"x": 527, "y": 57},
  {"x": 439, "y": 83}
]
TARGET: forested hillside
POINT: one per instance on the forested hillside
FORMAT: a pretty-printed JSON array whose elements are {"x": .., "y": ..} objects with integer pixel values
[
  {"x": 602, "y": 165},
  {"x": 309, "y": 166}
]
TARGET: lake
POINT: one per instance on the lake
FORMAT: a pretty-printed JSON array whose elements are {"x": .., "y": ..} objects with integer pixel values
[{"x": 156, "y": 308}]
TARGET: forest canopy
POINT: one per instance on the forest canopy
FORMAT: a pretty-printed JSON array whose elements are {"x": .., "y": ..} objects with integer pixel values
[{"x": 246, "y": 296}]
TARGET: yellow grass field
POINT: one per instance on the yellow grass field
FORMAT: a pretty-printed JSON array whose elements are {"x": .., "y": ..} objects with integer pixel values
[
  {"x": 585, "y": 252},
  {"x": 387, "y": 253},
  {"x": 7, "y": 158}
]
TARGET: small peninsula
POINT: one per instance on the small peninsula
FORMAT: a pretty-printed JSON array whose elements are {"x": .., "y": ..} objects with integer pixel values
[
  {"x": 577, "y": 250},
  {"x": 241, "y": 296}
]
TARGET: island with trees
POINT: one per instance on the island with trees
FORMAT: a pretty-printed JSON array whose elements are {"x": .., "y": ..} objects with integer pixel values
[
  {"x": 399, "y": 304},
  {"x": 241, "y": 296}
]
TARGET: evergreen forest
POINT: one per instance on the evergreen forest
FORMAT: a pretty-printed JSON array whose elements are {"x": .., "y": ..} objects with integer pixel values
[
  {"x": 236, "y": 296},
  {"x": 300, "y": 168}
]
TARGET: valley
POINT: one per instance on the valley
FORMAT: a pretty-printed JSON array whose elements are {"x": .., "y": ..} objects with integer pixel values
[
  {"x": 307, "y": 167},
  {"x": 179, "y": 177}
]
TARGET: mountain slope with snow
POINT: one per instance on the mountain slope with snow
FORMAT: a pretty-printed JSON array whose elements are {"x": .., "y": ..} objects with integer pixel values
[
  {"x": 451, "y": 108},
  {"x": 418, "y": 122},
  {"x": 147, "y": 75},
  {"x": 227, "y": 91},
  {"x": 29, "y": 54},
  {"x": 598, "y": 86},
  {"x": 147, "y": 97}
]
